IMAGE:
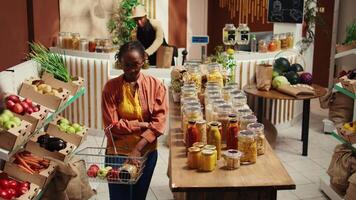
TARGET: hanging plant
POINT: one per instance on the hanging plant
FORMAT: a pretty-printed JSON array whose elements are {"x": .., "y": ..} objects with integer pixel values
[{"x": 121, "y": 25}]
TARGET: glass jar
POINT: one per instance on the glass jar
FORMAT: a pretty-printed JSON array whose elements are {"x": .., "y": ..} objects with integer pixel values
[
  {"x": 212, "y": 85},
  {"x": 92, "y": 46},
  {"x": 184, "y": 107},
  {"x": 215, "y": 75},
  {"x": 243, "y": 112},
  {"x": 284, "y": 41},
  {"x": 232, "y": 133},
  {"x": 235, "y": 92},
  {"x": 193, "y": 133},
  {"x": 223, "y": 112},
  {"x": 211, "y": 113},
  {"x": 247, "y": 119},
  {"x": 188, "y": 92},
  {"x": 243, "y": 34},
  {"x": 67, "y": 40},
  {"x": 290, "y": 40},
  {"x": 232, "y": 159},
  {"x": 194, "y": 75},
  {"x": 212, "y": 148},
  {"x": 226, "y": 92},
  {"x": 262, "y": 46},
  {"x": 272, "y": 46},
  {"x": 107, "y": 49},
  {"x": 211, "y": 94},
  {"x": 247, "y": 146},
  {"x": 239, "y": 101},
  {"x": 215, "y": 138},
  {"x": 229, "y": 34},
  {"x": 208, "y": 161},
  {"x": 233, "y": 84},
  {"x": 190, "y": 113},
  {"x": 60, "y": 38},
  {"x": 278, "y": 42},
  {"x": 84, "y": 45},
  {"x": 200, "y": 145},
  {"x": 193, "y": 157},
  {"x": 258, "y": 129},
  {"x": 75, "y": 41},
  {"x": 128, "y": 172},
  {"x": 201, "y": 125},
  {"x": 105, "y": 42}
]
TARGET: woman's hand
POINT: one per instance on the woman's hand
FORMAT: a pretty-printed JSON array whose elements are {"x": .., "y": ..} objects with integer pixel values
[
  {"x": 143, "y": 125},
  {"x": 135, "y": 153}
]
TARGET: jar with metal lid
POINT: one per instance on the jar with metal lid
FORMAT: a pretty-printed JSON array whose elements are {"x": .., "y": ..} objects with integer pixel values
[
  {"x": 67, "y": 40},
  {"x": 232, "y": 159},
  {"x": 226, "y": 92},
  {"x": 239, "y": 101},
  {"x": 243, "y": 34},
  {"x": 258, "y": 129},
  {"x": 213, "y": 116},
  {"x": 232, "y": 133},
  {"x": 215, "y": 138},
  {"x": 278, "y": 41},
  {"x": 247, "y": 146},
  {"x": 262, "y": 46},
  {"x": 75, "y": 41},
  {"x": 247, "y": 119},
  {"x": 235, "y": 92},
  {"x": 223, "y": 112},
  {"x": 212, "y": 148},
  {"x": 229, "y": 34},
  {"x": 290, "y": 40},
  {"x": 189, "y": 92},
  {"x": 201, "y": 125},
  {"x": 215, "y": 75},
  {"x": 284, "y": 41},
  {"x": 243, "y": 112},
  {"x": 194, "y": 75},
  {"x": 233, "y": 84},
  {"x": 213, "y": 85},
  {"x": 91, "y": 46},
  {"x": 84, "y": 45},
  {"x": 208, "y": 162},
  {"x": 193, "y": 157},
  {"x": 191, "y": 113},
  {"x": 193, "y": 134},
  {"x": 60, "y": 38}
]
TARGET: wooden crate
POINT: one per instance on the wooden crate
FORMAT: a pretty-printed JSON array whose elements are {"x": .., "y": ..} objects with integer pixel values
[
  {"x": 73, "y": 86},
  {"x": 50, "y": 101},
  {"x": 348, "y": 84},
  {"x": 16, "y": 136},
  {"x": 75, "y": 139}
]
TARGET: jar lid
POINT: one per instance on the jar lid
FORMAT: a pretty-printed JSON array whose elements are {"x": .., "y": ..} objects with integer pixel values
[
  {"x": 255, "y": 126},
  {"x": 240, "y": 97},
  {"x": 207, "y": 152},
  {"x": 193, "y": 149},
  {"x": 210, "y": 83},
  {"x": 232, "y": 115},
  {"x": 198, "y": 144},
  {"x": 244, "y": 110},
  {"x": 225, "y": 107},
  {"x": 233, "y": 153},
  {"x": 201, "y": 121},
  {"x": 228, "y": 88},
  {"x": 213, "y": 66},
  {"x": 236, "y": 92},
  {"x": 191, "y": 121},
  {"x": 84, "y": 40},
  {"x": 246, "y": 133},
  {"x": 214, "y": 122},
  {"x": 249, "y": 117},
  {"x": 233, "y": 120},
  {"x": 210, "y": 147},
  {"x": 193, "y": 109},
  {"x": 233, "y": 84}
]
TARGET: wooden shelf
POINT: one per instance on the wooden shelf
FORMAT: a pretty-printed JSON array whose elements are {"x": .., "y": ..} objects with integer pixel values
[{"x": 345, "y": 53}]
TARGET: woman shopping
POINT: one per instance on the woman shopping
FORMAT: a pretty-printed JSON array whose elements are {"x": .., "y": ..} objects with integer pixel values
[{"x": 136, "y": 105}]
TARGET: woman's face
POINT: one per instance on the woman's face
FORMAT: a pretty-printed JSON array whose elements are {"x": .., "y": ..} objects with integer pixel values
[{"x": 132, "y": 62}]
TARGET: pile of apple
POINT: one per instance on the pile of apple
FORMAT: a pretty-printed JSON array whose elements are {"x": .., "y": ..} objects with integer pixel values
[
  {"x": 41, "y": 87},
  {"x": 8, "y": 120},
  {"x": 25, "y": 106},
  {"x": 65, "y": 126},
  {"x": 111, "y": 174},
  {"x": 11, "y": 189}
]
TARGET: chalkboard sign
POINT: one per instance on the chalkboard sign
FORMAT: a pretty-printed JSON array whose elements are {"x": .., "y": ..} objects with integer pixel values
[{"x": 288, "y": 11}]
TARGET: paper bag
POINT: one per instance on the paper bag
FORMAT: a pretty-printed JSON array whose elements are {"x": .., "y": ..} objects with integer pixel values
[
  {"x": 297, "y": 90},
  {"x": 264, "y": 77},
  {"x": 164, "y": 57}
]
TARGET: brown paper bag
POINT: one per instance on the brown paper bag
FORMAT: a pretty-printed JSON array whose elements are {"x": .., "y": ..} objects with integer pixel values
[
  {"x": 164, "y": 57},
  {"x": 297, "y": 90},
  {"x": 264, "y": 77}
]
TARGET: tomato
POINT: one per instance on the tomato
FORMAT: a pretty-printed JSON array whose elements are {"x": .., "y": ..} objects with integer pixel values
[
  {"x": 13, "y": 184},
  {"x": 6, "y": 195},
  {"x": 25, "y": 184},
  {"x": 4, "y": 183},
  {"x": 12, "y": 192},
  {"x": 21, "y": 190}
]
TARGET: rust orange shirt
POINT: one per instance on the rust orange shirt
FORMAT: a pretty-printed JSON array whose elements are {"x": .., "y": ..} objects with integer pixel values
[{"x": 154, "y": 104}]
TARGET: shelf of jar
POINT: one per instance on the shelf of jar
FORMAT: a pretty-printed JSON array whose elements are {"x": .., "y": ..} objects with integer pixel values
[
  {"x": 246, "y": 55},
  {"x": 84, "y": 54}
]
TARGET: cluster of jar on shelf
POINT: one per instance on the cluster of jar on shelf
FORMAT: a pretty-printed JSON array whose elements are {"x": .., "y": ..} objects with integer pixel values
[
  {"x": 67, "y": 40},
  {"x": 229, "y": 125},
  {"x": 279, "y": 42}
]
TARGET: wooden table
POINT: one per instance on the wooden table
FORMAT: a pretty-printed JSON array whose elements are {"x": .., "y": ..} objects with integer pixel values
[
  {"x": 249, "y": 182},
  {"x": 274, "y": 94}
]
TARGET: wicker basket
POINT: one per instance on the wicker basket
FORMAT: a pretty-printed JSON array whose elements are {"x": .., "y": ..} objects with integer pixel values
[
  {"x": 348, "y": 84},
  {"x": 346, "y": 134}
]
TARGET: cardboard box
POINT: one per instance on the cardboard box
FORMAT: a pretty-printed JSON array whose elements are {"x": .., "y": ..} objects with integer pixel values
[
  {"x": 30, "y": 194},
  {"x": 75, "y": 139},
  {"x": 73, "y": 86},
  {"x": 53, "y": 102},
  {"x": 16, "y": 136},
  {"x": 41, "y": 179},
  {"x": 62, "y": 155}
]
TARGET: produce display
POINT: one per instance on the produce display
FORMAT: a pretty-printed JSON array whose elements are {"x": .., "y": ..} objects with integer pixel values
[
  {"x": 70, "y": 128},
  {"x": 25, "y": 106},
  {"x": 8, "y": 120},
  {"x": 51, "y": 143},
  {"x": 41, "y": 87},
  {"x": 279, "y": 81},
  {"x": 11, "y": 189},
  {"x": 292, "y": 77},
  {"x": 31, "y": 163}
]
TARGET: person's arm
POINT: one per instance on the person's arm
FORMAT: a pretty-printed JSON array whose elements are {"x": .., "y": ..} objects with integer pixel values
[
  {"x": 159, "y": 38},
  {"x": 110, "y": 116}
]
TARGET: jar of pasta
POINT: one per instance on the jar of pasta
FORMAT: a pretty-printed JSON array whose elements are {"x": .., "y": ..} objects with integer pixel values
[
  {"x": 232, "y": 159},
  {"x": 247, "y": 146},
  {"x": 247, "y": 119},
  {"x": 194, "y": 75},
  {"x": 258, "y": 129},
  {"x": 215, "y": 75},
  {"x": 75, "y": 41},
  {"x": 193, "y": 157},
  {"x": 208, "y": 162}
]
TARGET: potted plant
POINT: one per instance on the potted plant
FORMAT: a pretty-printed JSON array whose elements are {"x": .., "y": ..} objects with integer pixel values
[{"x": 350, "y": 41}]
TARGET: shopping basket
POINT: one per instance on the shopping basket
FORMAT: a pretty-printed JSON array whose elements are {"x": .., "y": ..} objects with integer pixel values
[{"x": 116, "y": 169}]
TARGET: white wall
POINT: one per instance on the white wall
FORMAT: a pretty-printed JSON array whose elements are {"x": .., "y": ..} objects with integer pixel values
[{"x": 163, "y": 16}]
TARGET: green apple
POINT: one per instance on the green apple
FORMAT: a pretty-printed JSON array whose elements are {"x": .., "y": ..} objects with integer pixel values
[
  {"x": 2, "y": 121},
  {"x": 64, "y": 121},
  {"x": 103, "y": 172},
  {"x": 16, "y": 120},
  {"x": 8, "y": 113},
  {"x": 63, "y": 127},
  {"x": 70, "y": 130},
  {"x": 9, "y": 125},
  {"x": 5, "y": 118},
  {"x": 77, "y": 127}
]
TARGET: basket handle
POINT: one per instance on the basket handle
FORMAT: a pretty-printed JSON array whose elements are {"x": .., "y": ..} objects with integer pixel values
[{"x": 107, "y": 130}]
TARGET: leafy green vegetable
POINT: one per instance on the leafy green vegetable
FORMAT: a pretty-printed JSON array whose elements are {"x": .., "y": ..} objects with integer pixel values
[
  {"x": 279, "y": 80},
  {"x": 50, "y": 62},
  {"x": 350, "y": 33}
]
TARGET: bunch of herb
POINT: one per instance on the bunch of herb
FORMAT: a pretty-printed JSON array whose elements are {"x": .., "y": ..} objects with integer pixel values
[
  {"x": 350, "y": 33},
  {"x": 50, "y": 62}
]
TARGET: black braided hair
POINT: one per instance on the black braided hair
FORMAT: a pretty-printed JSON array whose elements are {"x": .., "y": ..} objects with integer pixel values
[{"x": 130, "y": 46}]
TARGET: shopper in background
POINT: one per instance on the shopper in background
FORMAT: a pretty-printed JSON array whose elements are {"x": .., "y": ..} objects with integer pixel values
[
  {"x": 136, "y": 104},
  {"x": 2, "y": 106},
  {"x": 149, "y": 32}
]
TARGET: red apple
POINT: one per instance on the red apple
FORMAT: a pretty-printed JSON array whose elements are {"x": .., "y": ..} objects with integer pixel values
[
  {"x": 13, "y": 98},
  {"x": 25, "y": 105},
  {"x": 4, "y": 183},
  {"x": 4, "y": 193},
  {"x": 18, "y": 108},
  {"x": 29, "y": 110},
  {"x": 93, "y": 170},
  {"x": 25, "y": 184},
  {"x": 10, "y": 104},
  {"x": 12, "y": 192},
  {"x": 113, "y": 175},
  {"x": 28, "y": 101},
  {"x": 13, "y": 184},
  {"x": 36, "y": 108}
]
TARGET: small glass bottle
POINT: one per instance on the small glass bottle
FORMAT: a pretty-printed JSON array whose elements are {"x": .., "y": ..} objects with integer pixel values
[
  {"x": 262, "y": 46},
  {"x": 75, "y": 41},
  {"x": 215, "y": 75},
  {"x": 223, "y": 112},
  {"x": 229, "y": 34},
  {"x": 243, "y": 34},
  {"x": 215, "y": 138},
  {"x": 193, "y": 134},
  {"x": 201, "y": 125},
  {"x": 84, "y": 45},
  {"x": 247, "y": 146},
  {"x": 253, "y": 43},
  {"x": 232, "y": 133},
  {"x": 92, "y": 46},
  {"x": 60, "y": 38},
  {"x": 290, "y": 40},
  {"x": 258, "y": 129},
  {"x": 284, "y": 41}
]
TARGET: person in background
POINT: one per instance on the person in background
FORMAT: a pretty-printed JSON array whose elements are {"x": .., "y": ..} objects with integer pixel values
[
  {"x": 149, "y": 32},
  {"x": 2, "y": 106},
  {"x": 136, "y": 105}
]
